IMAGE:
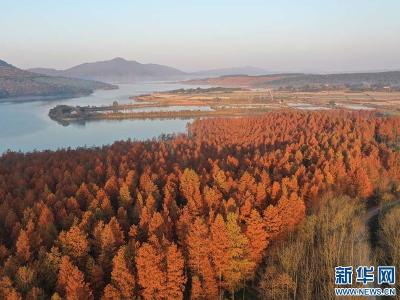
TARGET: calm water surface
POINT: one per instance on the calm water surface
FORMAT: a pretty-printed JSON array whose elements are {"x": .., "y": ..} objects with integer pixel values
[{"x": 27, "y": 127}]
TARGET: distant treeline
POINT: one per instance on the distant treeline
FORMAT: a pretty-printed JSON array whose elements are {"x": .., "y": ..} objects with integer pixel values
[
  {"x": 349, "y": 87},
  {"x": 352, "y": 80},
  {"x": 378, "y": 80}
]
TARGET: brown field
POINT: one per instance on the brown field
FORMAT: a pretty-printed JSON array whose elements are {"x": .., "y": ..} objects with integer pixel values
[{"x": 386, "y": 101}]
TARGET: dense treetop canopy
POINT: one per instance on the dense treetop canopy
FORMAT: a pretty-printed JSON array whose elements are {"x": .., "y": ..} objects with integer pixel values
[{"x": 185, "y": 216}]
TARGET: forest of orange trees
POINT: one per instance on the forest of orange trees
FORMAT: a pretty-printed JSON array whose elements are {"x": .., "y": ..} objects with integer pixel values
[{"x": 190, "y": 216}]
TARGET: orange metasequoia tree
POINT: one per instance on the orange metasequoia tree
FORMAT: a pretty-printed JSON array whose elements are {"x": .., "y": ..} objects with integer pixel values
[
  {"x": 151, "y": 277},
  {"x": 122, "y": 279},
  {"x": 176, "y": 280},
  {"x": 257, "y": 237},
  {"x": 71, "y": 281},
  {"x": 23, "y": 246}
]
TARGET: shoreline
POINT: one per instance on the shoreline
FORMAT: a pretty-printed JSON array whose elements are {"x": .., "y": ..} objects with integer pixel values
[
  {"x": 27, "y": 99},
  {"x": 48, "y": 98},
  {"x": 64, "y": 114}
]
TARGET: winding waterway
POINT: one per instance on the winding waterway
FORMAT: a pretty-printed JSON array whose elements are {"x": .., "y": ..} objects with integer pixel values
[{"x": 26, "y": 126}]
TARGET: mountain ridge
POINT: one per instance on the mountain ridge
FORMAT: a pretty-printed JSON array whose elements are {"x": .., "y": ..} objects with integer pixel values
[
  {"x": 22, "y": 85},
  {"x": 117, "y": 70},
  {"x": 4, "y": 64},
  {"x": 121, "y": 70}
]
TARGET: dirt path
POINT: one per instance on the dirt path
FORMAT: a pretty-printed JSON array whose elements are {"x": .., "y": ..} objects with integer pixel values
[{"x": 374, "y": 211}]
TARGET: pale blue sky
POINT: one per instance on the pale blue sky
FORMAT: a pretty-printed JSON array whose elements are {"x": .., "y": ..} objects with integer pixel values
[{"x": 297, "y": 35}]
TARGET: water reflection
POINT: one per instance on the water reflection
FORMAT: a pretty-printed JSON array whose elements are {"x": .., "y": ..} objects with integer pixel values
[{"x": 27, "y": 127}]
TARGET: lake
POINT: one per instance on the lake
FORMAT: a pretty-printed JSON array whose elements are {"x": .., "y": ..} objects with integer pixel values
[{"x": 26, "y": 126}]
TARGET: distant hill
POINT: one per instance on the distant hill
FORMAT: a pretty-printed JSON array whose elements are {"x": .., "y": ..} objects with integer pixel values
[
  {"x": 300, "y": 80},
  {"x": 117, "y": 70},
  {"x": 247, "y": 70},
  {"x": 240, "y": 80},
  {"x": 4, "y": 64},
  {"x": 24, "y": 85}
]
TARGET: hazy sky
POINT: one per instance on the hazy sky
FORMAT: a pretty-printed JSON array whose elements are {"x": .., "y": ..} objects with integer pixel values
[{"x": 296, "y": 35}]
